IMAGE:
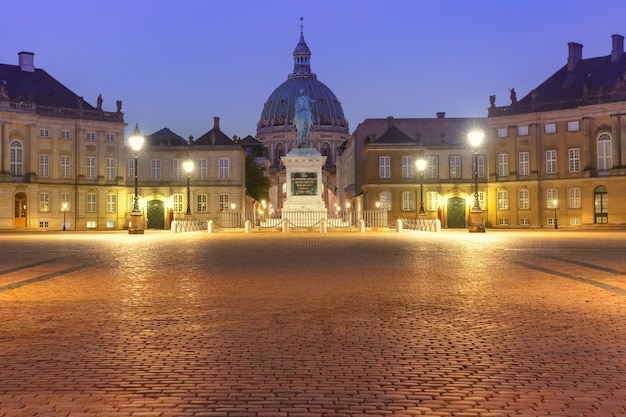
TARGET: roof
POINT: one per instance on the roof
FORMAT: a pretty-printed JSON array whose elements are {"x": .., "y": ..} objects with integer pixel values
[
  {"x": 214, "y": 136},
  {"x": 38, "y": 87},
  {"x": 165, "y": 137}
]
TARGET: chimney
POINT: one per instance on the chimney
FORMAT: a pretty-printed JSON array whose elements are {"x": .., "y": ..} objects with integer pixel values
[
  {"x": 441, "y": 114},
  {"x": 27, "y": 61},
  {"x": 575, "y": 55},
  {"x": 216, "y": 123},
  {"x": 389, "y": 122},
  {"x": 618, "y": 47}
]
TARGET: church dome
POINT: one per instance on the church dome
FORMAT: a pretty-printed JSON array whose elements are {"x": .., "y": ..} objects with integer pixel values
[{"x": 278, "y": 110}]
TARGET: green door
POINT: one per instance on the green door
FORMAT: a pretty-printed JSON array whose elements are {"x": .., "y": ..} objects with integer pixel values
[
  {"x": 456, "y": 213},
  {"x": 156, "y": 214}
]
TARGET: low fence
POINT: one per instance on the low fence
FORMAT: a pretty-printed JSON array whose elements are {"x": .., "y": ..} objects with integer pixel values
[
  {"x": 423, "y": 225},
  {"x": 180, "y": 226}
]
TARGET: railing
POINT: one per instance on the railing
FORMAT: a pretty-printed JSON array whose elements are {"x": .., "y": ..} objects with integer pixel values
[
  {"x": 334, "y": 219},
  {"x": 181, "y": 226},
  {"x": 423, "y": 225}
]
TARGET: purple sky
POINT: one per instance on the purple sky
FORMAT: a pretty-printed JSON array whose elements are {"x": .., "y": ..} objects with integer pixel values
[{"x": 179, "y": 63}]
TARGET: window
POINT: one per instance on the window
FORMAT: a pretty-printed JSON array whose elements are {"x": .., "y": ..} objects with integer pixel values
[
  {"x": 177, "y": 169},
  {"x": 573, "y": 126},
  {"x": 90, "y": 169},
  {"x": 177, "y": 203},
  {"x": 503, "y": 222},
  {"x": 131, "y": 169},
  {"x": 524, "y": 163},
  {"x": 155, "y": 169},
  {"x": 481, "y": 199},
  {"x": 552, "y": 198},
  {"x": 408, "y": 201},
  {"x": 111, "y": 206},
  {"x": 44, "y": 224},
  {"x": 503, "y": 200},
  {"x": 524, "y": 222},
  {"x": 91, "y": 224},
  {"x": 65, "y": 134},
  {"x": 503, "y": 164},
  {"x": 44, "y": 165},
  {"x": 224, "y": 172},
  {"x": 110, "y": 224},
  {"x": 110, "y": 137},
  {"x": 605, "y": 152},
  {"x": 573, "y": 156},
  {"x": 65, "y": 166},
  {"x": 110, "y": 168},
  {"x": 480, "y": 161},
  {"x": 44, "y": 202},
  {"x": 223, "y": 200},
  {"x": 384, "y": 167},
  {"x": 16, "y": 162},
  {"x": 503, "y": 132},
  {"x": 522, "y": 131},
  {"x": 65, "y": 199},
  {"x": 600, "y": 205},
  {"x": 574, "y": 221},
  {"x": 44, "y": 133},
  {"x": 455, "y": 166},
  {"x": 385, "y": 200},
  {"x": 432, "y": 200},
  {"x": 91, "y": 136},
  {"x": 201, "y": 200},
  {"x": 573, "y": 198},
  {"x": 524, "y": 199},
  {"x": 201, "y": 169},
  {"x": 550, "y": 128},
  {"x": 407, "y": 167},
  {"x": 91, "y": 203},
  {"x": 551, "y": 161},
  {"x": 432, "y": 166}
]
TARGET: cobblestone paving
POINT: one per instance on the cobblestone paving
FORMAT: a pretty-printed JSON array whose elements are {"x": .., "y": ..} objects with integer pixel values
[{"x": 313, "y": 325}]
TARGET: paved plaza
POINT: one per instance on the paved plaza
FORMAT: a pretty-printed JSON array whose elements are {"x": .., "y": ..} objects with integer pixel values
[{"x": 313, "y": 325}]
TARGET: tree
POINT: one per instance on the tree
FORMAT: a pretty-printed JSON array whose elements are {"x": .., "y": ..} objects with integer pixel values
[{"x": 257, "y": 183}]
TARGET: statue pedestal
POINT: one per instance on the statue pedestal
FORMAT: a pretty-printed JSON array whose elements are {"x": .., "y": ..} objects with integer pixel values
[
  {"x": 304, "y": 204},
  {"x": 476, "y": 221},
  {"x": 136, "y": 223}
]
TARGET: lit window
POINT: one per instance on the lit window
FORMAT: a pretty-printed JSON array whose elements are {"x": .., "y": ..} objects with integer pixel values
[
  {"x": 201, "y": 200},
  {"x": 432, "y": 200},
  {"x": 552, "y": 196},
  {"x": 573, "y": 198},
  {"x": 44, "y": 202},
  {"x": 224, "y": 202},
  {"x": 111, "y": 206},
  {"x": 524, "y": 199},
  {"x": 91, "y": 225},
  {"x": 177, "y": 201},
  {"x": 91, "y": 203},
  {"x": 385, "y": 200},
  {"x": 503, "y": 200}
]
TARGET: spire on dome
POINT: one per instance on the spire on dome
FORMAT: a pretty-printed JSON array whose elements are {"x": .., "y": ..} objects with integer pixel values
[{"x": 302, "y": 57}]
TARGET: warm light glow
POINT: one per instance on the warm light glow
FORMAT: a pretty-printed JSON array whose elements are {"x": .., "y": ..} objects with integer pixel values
[
  {"x": 136, "y": 139},
  {"x": 264, "y": 203},
  {"x": 475, "y": 138},
  {"x": 232, "y": 206},
  {"x": 555, "y": 202},
  {"x": 378, "y": 204},
  {"x": 348, "y": 205},
  {"x": 420, "y": 164},
  {"x": 188, "y": 166},
  {"x": 64, "y": 207}
]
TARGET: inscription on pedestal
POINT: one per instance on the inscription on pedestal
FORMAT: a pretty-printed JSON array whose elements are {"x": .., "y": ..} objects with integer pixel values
[{"x": 303, "y": 183}]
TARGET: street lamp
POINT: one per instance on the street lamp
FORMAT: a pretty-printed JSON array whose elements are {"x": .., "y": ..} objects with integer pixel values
[
  {"x": 421, "y": 166},
  {"x": 475, "y": 138},
  {"x": 64, "y": 209},
  {"x": 136, "y": 140},
  {"x": 188, "y": 167},
  {"x": 555, "y": 203}
]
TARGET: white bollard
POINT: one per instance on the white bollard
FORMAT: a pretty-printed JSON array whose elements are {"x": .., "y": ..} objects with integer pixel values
[
  {"x": 399, "y": 226},
  {"x": 437, "y": 225},
  {"x": 247, "y": 226},
  {"x": 323, "y": 226},
  {"x": 210, "y": 226},
  {"x": 285, "y": 225},
  {"x": 173, "y": 226},
  {"x": 361, "y": 225}
]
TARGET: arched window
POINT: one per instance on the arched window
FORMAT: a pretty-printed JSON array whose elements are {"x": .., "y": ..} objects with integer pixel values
[
  {"x": 16, "y": 159},
  {"x": 605, "y": 152},
  {"x": 600, "y": 202}
]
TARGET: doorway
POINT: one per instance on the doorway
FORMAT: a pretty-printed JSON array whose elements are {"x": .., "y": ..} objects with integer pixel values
[
  {"x": 20, "y": 210},
  {"x": 456, "y": 213},
  {"x": 156, "y": 214}
]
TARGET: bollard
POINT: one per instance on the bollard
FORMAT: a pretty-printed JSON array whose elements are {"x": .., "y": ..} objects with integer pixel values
[
  {"x": 361, "y": 225},
  {"x": 247, "y": 226},
  {"x": 173, "y": 226},
  {"x": 210, "y": 226},
  {"x": 285, "y": 225},
  {"x": 399, "y": 226},
  {"x": 323, "y": 226},
  {"x": 437, "y": 225}
]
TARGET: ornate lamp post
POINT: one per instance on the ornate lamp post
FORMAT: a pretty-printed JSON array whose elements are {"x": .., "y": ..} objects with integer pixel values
[
  {"x": 421, "y": 166},
  {"x": 188, "y": 166},
  {"x": 555, "y": 203},
  {"x": 136, "y": 140},
  {"x": 475, "y": 139},
  {"x": 64, "y": 209}
]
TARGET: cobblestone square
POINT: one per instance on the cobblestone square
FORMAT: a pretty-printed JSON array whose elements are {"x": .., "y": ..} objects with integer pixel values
[{"x": 312, "y": 325}]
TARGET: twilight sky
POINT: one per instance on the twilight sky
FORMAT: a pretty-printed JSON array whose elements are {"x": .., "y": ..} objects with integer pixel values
[{"x": 179, "y": 63}]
